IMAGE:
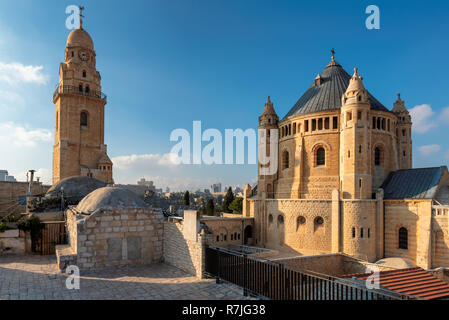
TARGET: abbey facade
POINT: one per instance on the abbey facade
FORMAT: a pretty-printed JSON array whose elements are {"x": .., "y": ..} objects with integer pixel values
[
  {"x": 79, "y": 147},
  {"x": 345, "y": 181}
]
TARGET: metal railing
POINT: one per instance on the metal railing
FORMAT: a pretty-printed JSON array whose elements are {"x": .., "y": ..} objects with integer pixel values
[
  {"x": 268, "y": 279},
  {"x": 75, "y": 90}
]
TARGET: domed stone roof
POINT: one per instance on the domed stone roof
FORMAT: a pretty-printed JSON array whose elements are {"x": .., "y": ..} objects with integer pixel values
[
  {"x": 110, "y": 198},
  {"x": 396, "y": 262},
  {"x": 75, "y": 187},
  {"x": 80, "y": 38},
  {"x": 326, "y": 94}
]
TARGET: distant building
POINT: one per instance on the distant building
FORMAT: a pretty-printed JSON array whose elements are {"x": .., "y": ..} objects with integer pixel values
[
  {"x": 215, "y": 188},
  {"x": 167, "y": 190},
  {"x": 149, "y": 184},
  {"x": 5, "y": 177}
]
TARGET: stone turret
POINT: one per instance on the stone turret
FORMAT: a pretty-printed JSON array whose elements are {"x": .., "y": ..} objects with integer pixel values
[
  {"x": 268, "y": 121},
  {"x": 403, "y": 133},
  {"x": 355, "y": 138}
]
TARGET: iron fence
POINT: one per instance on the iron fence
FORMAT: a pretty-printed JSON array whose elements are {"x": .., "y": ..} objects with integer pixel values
[{"x": 268, "y": 279}]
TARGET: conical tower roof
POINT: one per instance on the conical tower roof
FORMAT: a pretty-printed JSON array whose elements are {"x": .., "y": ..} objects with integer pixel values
[{"x": 269, "y": 109}]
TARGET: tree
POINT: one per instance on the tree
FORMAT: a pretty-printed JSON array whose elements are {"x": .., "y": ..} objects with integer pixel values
[
  {"x": 228, "y": 198},
  {"x": 237, "y": 205},
  {"x": 210, "y": 207},
  {"x": 187, "y": 198}
]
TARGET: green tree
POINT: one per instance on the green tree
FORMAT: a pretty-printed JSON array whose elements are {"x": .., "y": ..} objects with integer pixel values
[
  {"x": 228, "y": 198},
  {"x": 237, "y": 205},
  {"x": 210, "y": 207},
  {"x": 187, "y": 198}
]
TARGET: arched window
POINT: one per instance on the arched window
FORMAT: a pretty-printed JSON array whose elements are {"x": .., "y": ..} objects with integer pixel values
[
  {"x": 285, "y": 160},
  {"x": 403, "y": 238},
  {"x": 377, "y": 154},
  {"x": 80, "y": 88},
  {"x": 84, "y": 73},
  {"x": 270, "y": 218},
  {"x": 280, "y": 220},
  {"x": 300, "y": 221},
  {"x": 320, "y": 157},
  {"x": 353, "y": 232},
  {"x": 87, "y": 89},
  {"x": 83, "y": 119},
  {"x": 318, "y": 223}
]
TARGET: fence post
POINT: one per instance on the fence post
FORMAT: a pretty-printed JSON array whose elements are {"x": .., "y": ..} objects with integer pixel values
[
  {"x": 245, "y": 276},
  {"x": 217, "y": 278}
]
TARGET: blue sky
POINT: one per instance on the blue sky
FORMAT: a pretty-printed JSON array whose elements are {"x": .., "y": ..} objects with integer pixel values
[{"x": 167, "y": 63}]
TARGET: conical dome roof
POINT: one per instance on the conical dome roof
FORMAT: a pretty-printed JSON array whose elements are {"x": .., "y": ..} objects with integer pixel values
[{"x": 327, "y": 95}]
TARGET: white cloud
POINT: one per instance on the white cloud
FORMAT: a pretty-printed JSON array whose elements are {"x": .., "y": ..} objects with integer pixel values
[
  {"x": 430, "y": 149},
  {"x": 15, "y": 72},
  {"x": 145, "y": 161},
  {"x": 444, "y": 116},
  {"x": 17, "y": 135},
  {"x": 422, "y": 118}
]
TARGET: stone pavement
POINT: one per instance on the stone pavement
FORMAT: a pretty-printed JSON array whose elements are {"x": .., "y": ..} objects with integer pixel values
[{"x": 37, "y": 277}]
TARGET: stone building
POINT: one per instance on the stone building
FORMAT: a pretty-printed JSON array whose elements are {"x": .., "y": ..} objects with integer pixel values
[
  {"x": 344, "y": 181},
  {"x": 110, "y": 227},
  {"x": 79, "y": 147}
]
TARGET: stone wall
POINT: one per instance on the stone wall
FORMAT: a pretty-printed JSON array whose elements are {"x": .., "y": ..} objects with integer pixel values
[
  {"x": 415, "y": 216},
  {"x": 116, "y": 237},
  {"x": 185, "y": 254},
  {"x": 334, "y": 264},
  {"x": 10, "y": 192},
  {"x": 12, "y": 241},
  {"x": 229, "y": 231},
  {"x": 359, "y": 228},
  {"x": 292, "y": 225},
  {"x": 440, "y": 241}
]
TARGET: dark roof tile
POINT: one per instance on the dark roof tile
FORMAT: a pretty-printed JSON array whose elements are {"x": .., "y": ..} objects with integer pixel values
[{"x": 413, "y": 183}]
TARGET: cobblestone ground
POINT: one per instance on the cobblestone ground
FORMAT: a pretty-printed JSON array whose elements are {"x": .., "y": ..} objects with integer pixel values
[{"x": 37, "y": 277}]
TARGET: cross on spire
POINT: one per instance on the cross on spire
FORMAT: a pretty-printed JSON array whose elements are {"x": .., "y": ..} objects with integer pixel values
[
  {"x": 333, "y": 54},
  {"x": 81, "y": 16}
]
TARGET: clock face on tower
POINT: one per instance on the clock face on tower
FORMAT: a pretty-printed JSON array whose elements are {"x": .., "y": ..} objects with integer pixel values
[{"x": 84, "y": 55}]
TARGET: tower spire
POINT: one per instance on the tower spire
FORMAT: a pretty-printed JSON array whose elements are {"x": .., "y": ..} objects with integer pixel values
[
  {"x": 81, "y": 16},
  {"x": 333, "y": 54}
]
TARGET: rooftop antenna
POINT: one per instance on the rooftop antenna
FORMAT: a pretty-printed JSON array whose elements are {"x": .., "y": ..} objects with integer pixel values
[{"x": 81, "y": 16}]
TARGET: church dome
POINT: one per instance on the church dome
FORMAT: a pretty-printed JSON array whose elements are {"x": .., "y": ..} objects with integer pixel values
[
  {"x": 326, "y": 94},
  {"x": 80, "y": 38},
  {"x": 110, "y": 198},
  {"x": 74, "y": 187}
]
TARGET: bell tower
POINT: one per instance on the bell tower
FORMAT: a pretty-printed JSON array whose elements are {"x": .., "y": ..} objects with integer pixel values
[
  {"x": 79, "y": 147},
  {"x": 268, "y": 120},
  {"x": 403, "y": 134},
  {"x": 355, "y": 138}
]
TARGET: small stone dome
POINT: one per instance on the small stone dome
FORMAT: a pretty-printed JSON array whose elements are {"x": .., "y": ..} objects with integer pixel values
[
  {"x": 396, "y": 262},
  {"x": 110, "y": 198},
  {"x": 75, "y": 187},
  {"x": 80, "y": 38}
]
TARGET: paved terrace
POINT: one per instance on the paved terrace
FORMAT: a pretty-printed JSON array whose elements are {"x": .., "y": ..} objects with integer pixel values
[{"x": 37, "y": 277}]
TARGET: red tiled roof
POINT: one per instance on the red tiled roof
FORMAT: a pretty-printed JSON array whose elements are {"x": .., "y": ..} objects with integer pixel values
[{"x": 411, "y": 281}]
